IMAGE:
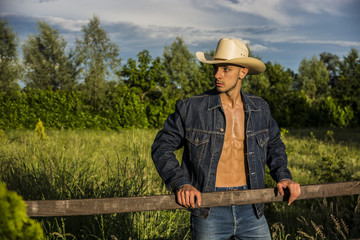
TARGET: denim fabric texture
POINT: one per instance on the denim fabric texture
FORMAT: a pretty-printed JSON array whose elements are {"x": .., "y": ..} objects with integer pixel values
[
  {"x": 235, "y": 222},
  {"x": 198, "y": 124}
]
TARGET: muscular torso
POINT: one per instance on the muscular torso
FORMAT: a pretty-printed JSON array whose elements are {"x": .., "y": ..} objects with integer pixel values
[{"x": 231, "y": 168}]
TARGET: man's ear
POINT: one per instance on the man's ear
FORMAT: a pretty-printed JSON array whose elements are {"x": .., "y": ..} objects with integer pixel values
[{"x": 243, "y": 72}]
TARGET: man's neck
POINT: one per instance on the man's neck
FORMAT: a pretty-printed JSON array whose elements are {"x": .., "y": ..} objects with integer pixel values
[{"x": 231, "y": 99}]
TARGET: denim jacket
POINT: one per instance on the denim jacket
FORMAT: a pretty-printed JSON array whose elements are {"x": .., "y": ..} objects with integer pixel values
[{"x": 198, "y": 124}]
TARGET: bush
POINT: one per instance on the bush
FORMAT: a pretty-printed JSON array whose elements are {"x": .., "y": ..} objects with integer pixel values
[
  {"x": 337, "y": 114},
  {"x": 14, "y": 223}
]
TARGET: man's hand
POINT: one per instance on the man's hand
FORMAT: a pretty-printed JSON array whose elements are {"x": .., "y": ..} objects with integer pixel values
[
  {"x": 186, "y": 196},
  {"x": 294, "y": 189}
]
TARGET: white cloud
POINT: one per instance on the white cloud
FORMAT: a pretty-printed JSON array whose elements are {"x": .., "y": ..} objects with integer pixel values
[
  {"x": 262, "y": 48},
  {"x": 272, "y": 10},
  {"x": 347, "y": 44},
  {"x": 150, "y": 24},
  {"x": 283, "y": 12},
  {"x": 185, "y": 13},
  {"x": 67, "y": 24},
  {"x": 333, "y": 7}
]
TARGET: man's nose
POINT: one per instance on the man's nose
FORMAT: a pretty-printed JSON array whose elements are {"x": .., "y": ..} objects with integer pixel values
[{"x": 218, "y": 74}]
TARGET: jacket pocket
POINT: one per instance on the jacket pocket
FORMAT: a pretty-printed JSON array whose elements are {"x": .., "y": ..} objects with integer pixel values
[
  {"x": 196, "y": 143},
  {"x": 262, "y": 139}
]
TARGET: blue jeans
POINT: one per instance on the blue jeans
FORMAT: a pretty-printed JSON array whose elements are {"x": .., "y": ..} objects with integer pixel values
[{"x": 239, "y": 222}]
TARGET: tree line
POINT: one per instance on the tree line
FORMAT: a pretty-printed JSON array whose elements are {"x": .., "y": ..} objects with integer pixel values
[{"x": 89, "y": 87}]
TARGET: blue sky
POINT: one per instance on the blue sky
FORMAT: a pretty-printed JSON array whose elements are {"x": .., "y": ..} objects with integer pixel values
[{"x": 282, "y": 31}]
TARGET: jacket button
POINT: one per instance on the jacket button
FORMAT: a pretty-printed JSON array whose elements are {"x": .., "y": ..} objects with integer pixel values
[{"x": 221, "y": 129}]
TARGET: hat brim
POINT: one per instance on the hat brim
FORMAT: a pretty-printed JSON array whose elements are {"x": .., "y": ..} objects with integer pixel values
[{"x": 254, "y": 65}]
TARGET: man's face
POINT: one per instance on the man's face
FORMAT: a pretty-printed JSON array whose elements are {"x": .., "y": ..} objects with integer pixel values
[{"x": 228, "y": 77}]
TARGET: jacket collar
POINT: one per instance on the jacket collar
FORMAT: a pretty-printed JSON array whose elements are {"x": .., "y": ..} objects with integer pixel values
[
  {"x": 214, "y": 99},
  {"x": 249, "y": 105},
  {"x": 215, "y": 102}
]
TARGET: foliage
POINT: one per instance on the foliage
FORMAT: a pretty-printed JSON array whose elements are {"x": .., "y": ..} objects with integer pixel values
[
  {"x": 90, "y": 164},
  {"x": 74, "y": 164},
  {"x": 332, "y": 63},
  {"x": 142, "y": 92},
  {"x": 347, "y": 86},
  {"x": 120, "y": 108},
  {"x": 10, "y": 69},
  {"x": 145, "y": 76},
  {"x": 14, "y": 223},
  {"x": 46, "y": 64},
  {"x": 185, "y": 78},
  {"x": 99, "y": 58},
  {"x": 313, "y": 78},
  {"x": 40, "y": 130},
  {"x": 338, "y": 115}
]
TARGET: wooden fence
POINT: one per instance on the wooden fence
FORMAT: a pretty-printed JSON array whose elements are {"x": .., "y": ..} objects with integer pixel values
[{"x": 48, "y": 208}]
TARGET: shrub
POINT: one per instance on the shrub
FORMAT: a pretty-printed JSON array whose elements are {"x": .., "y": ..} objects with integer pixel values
[{"x": 14, "y": 223}]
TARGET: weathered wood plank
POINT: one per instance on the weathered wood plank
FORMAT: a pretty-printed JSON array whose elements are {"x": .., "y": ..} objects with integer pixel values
[{"x": 47, "y": 208}]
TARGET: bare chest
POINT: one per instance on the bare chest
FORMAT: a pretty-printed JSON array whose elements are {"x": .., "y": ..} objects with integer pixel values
[{"x": 235, "y": 124}]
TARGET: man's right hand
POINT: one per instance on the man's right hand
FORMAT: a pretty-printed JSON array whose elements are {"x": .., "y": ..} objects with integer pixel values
[{"x": 186, "y": 196}]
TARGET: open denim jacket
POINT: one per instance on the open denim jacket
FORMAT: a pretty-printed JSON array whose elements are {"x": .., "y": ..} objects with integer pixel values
[{"x": 198, "y": 124}]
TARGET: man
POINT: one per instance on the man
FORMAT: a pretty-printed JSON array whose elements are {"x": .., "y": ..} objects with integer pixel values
[{"x": 228, "y": 137}]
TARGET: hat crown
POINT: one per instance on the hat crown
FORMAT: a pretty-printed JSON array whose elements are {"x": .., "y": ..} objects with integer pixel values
[{"x": 230, "y": 49}]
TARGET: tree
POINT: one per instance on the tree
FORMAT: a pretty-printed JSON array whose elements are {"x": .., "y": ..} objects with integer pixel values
[
  {"x": 10, "y": 69},
  {"x": 14, "y": 223},
  {"x": 206, "y": 80},
  {"x": 182, "y": 69},
  {"x": 347, "y": 87},
  {"x": 312, "y": 78},
  {"x": 332, "y": 63},
  {"x": 47, "y": 66},
  {"x": 99, "y": 58},
  {"x": 256, "y": 84},
  {"x": 145, "y": 75},
  {"x": 274, "y": 86}
]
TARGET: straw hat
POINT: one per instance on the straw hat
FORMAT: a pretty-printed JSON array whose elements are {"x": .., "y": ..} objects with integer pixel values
[{"x": 233, "y": 51}]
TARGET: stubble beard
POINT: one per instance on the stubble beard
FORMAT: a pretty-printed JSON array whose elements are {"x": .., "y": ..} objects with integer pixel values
[{"x": 227, "y": 90}]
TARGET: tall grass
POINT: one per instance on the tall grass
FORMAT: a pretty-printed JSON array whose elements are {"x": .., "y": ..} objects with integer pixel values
[
  {"x": 320, "y": 156},
  {"x": 98, "y": 164},
  {"x": 89, "y": 164}
]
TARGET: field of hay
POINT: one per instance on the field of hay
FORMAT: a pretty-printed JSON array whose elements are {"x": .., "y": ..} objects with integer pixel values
[{"x": 70, "y": 164}]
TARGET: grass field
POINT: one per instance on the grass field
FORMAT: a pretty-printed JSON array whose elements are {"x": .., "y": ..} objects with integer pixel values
[{"x": 71, "y": 164}]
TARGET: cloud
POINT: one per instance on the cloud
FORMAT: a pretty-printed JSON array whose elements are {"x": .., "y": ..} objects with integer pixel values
[
  {"x": 270, "y": 10},
  {"x": 283, "y": 12},
  {"x": 347, "y": 44},
  {"x": 42, "y": 1},
  {"x": 272, "y": 27},
  {"x": 263, "y": 48},
  {"x": 332, "y": 7},
  {"x": 66, "y": 24}
]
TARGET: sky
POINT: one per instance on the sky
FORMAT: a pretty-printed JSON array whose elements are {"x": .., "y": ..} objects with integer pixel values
[{"x": 279, "y": 31}]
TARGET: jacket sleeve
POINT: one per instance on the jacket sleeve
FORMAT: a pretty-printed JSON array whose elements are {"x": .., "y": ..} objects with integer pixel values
[
  {"x": 169, "y": 139},
  {"x": 276, "y": 155}
]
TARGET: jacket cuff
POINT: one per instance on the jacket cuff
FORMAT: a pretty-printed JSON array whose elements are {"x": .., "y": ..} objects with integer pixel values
[
  {"x": 178, "y": 184},
  {"x": 283, "y": 179}
]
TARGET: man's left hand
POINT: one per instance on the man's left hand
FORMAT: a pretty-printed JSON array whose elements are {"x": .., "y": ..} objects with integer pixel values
[{"x": 294, "y": 189}]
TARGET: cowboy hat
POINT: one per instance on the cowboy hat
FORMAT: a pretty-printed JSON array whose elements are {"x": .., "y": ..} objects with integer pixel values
[{"x": 232, "y": 51}]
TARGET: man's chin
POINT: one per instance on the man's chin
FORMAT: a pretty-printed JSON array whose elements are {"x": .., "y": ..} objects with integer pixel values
[{"x": 220, "y": 89}]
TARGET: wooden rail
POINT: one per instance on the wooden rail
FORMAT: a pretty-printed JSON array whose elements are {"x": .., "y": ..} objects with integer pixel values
[{"x": 48, "y": 208}]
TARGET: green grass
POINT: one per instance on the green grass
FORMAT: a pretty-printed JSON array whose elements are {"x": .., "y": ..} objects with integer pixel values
[{"x": 70, "y": 164}]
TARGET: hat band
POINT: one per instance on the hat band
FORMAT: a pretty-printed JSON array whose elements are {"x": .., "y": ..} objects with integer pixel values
[{"x": 222, "y": 59}]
